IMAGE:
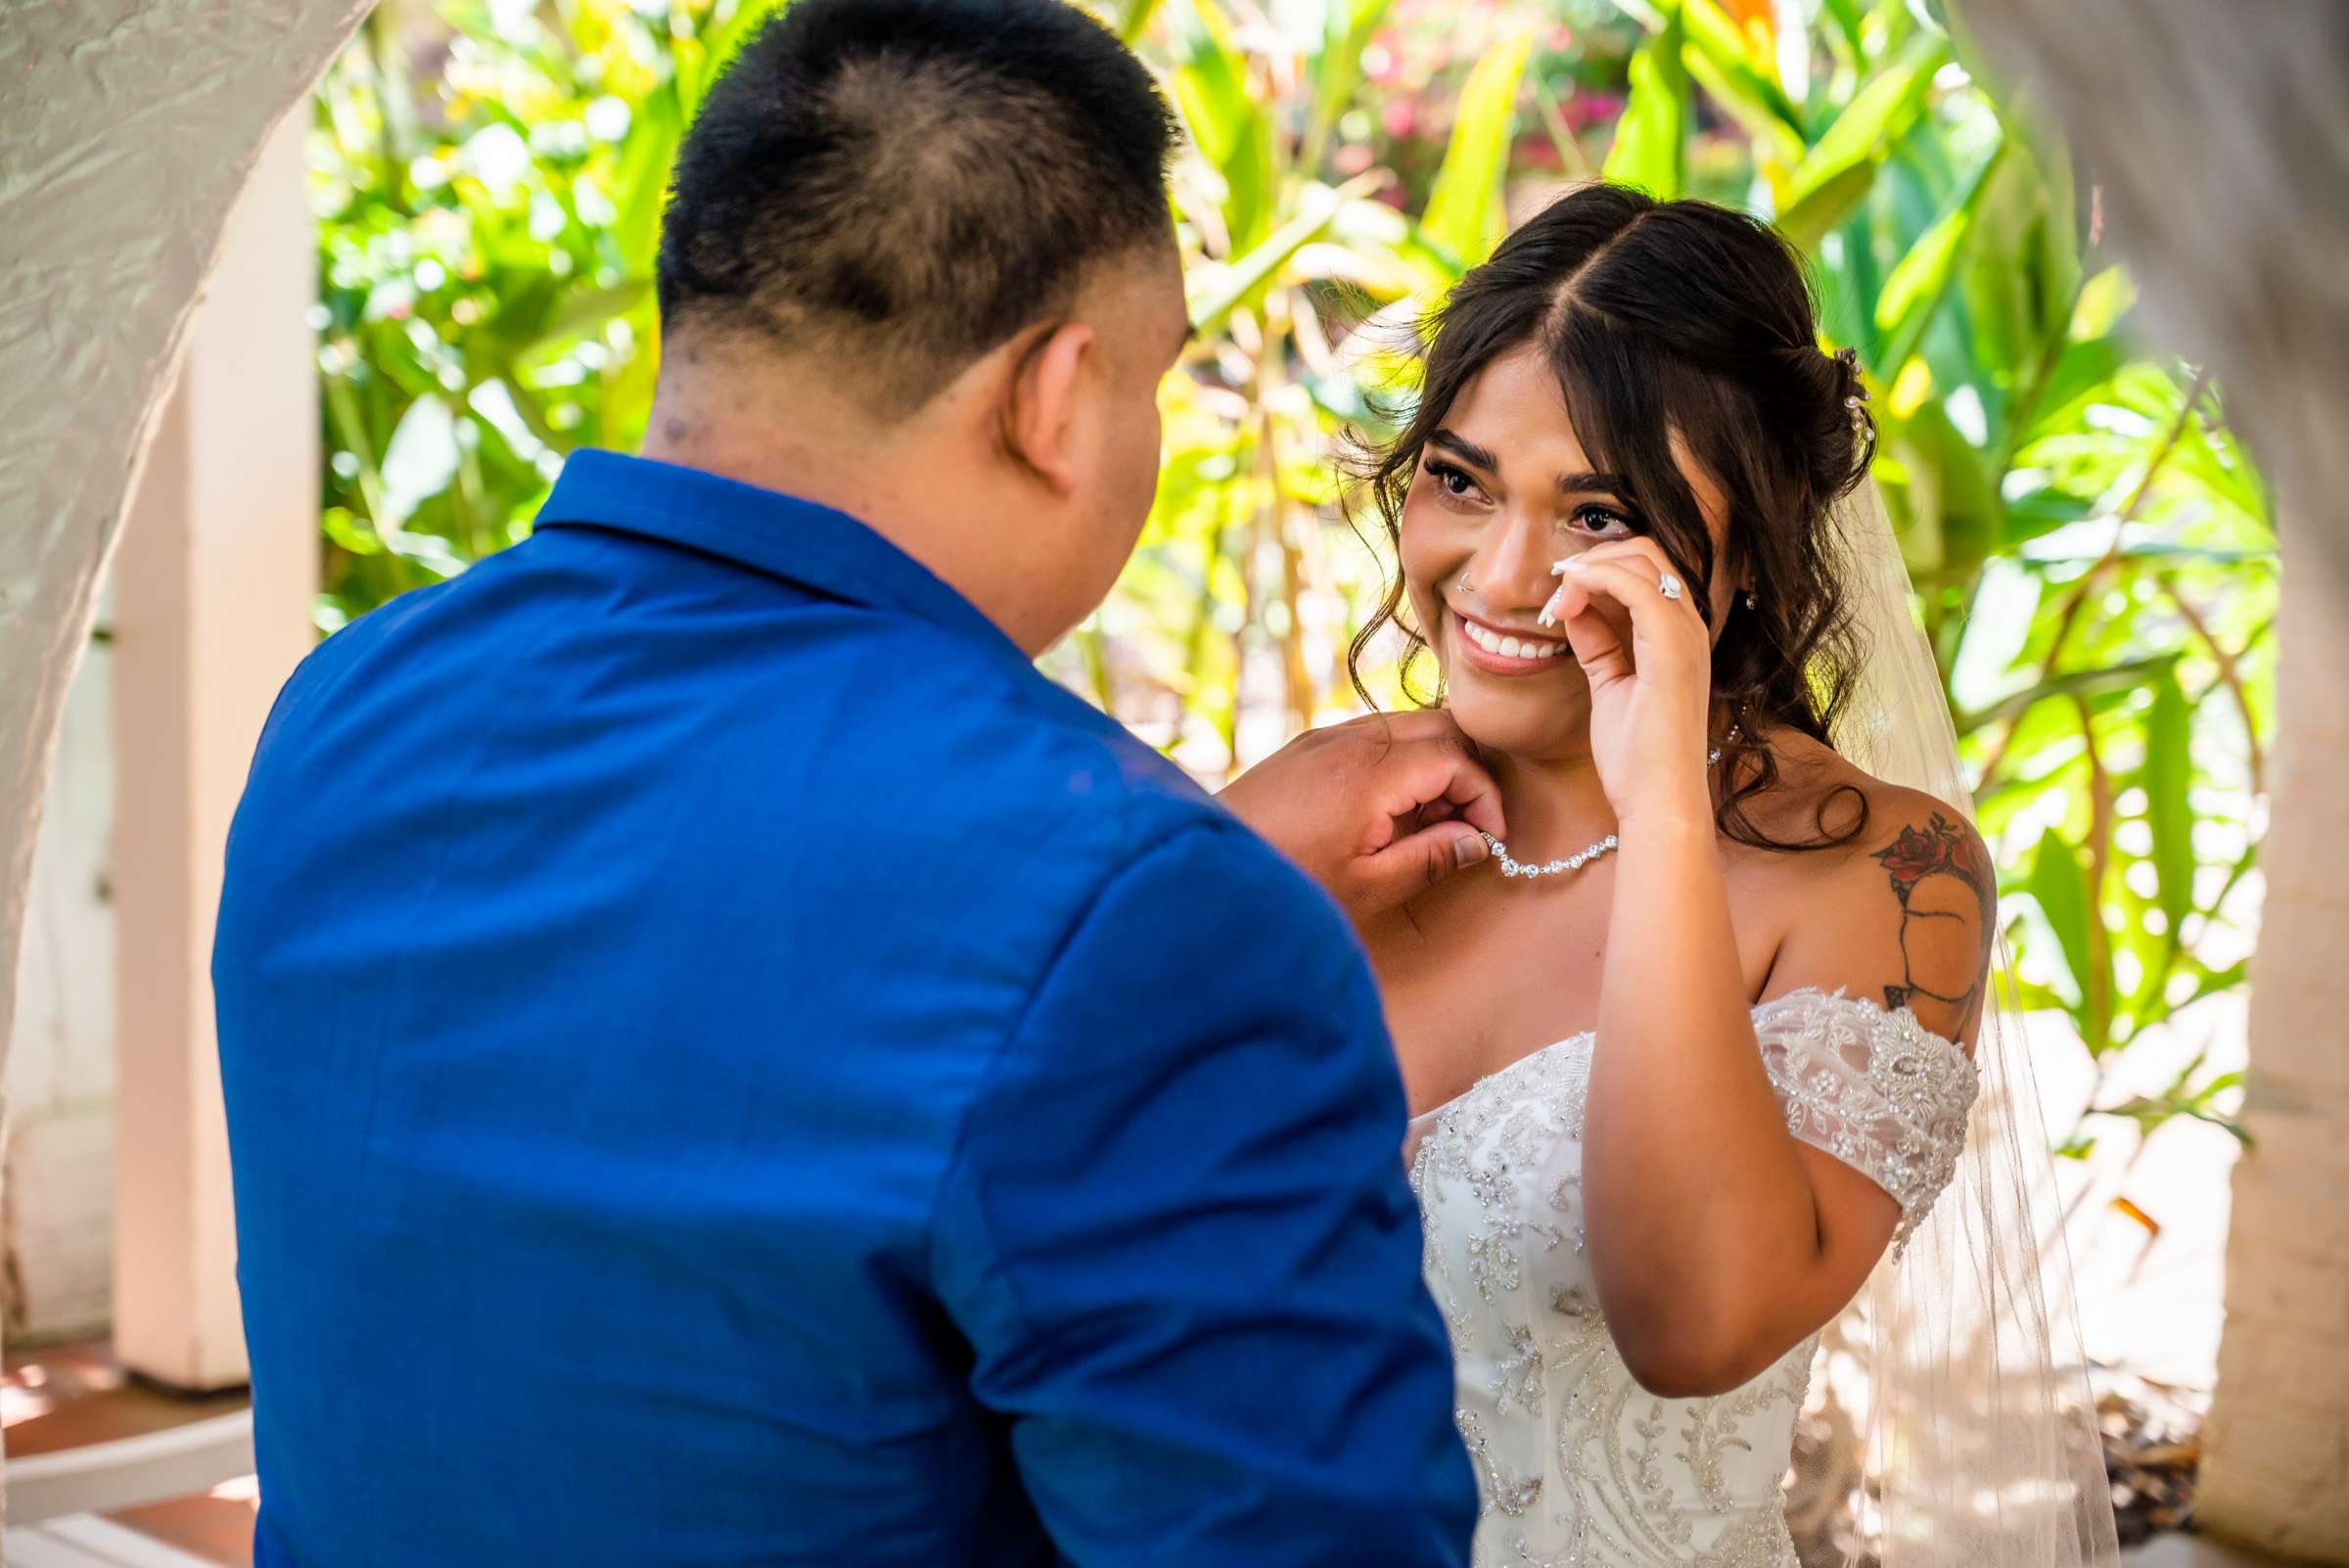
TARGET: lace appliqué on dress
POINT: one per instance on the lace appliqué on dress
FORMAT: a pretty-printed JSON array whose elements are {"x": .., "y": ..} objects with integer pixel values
[{"x": 1876, "y": 1089}]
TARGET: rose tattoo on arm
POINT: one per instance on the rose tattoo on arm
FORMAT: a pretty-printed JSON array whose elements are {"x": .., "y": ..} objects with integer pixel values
[{"x": 1939, "y": 872}]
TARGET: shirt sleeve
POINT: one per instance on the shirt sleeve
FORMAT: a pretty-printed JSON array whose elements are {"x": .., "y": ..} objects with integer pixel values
[
  {"x": 1180, "y": 1245},
  {"x": 1875, "y": 1088}
]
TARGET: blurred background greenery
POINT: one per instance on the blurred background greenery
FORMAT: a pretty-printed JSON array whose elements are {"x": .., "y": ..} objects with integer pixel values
[{"x": 2093, "y": 551}]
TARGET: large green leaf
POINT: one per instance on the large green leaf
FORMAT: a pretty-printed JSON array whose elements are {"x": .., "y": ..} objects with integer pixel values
[
  {"x": 1219, "y": 291},
  {"x": 1136, "y": 19},
  {"x": 2058, "y": 273},
  {"x": 2056, "y": 253},
  {"x": 1955, "y": 505},
  {"x": 2096, "y": 684},
  {"x": 644, "y": 171},
  {"x": 1346, "y": 27},
  {"x": 2083, "y": 373},
  {"x": 1839, "y": 168},
  {"x": 1741, "y": 79},
  {"x": 1230, "y": 128},
  {"x": 1463, "y": 217},
  {"x": 2022, "y": 286},
  {"x": 1651, "y": 139},
  {"x": 2058, "y": 885},
  {"x": 719, "y": 47},
  {"x": 2169, "y": 773},
  {"x": 2212, "y": 459},
  {"x": 586, "y": 310},
  {"x": 1921, "y": 279},
  {"x": 1845, "y": 14}
]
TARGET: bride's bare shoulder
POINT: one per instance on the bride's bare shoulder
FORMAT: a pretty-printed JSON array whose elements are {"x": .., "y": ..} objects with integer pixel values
[
  {"x": 1900, "y": 902},
  {"x": 1833, "y": 809}
]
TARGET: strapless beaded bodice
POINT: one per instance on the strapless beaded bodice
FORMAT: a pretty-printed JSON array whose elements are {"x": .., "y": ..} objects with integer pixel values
[{"x": 1577, "y": 1464}]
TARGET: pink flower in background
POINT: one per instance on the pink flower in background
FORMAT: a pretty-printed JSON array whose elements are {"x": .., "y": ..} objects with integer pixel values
[{"x": 1582, "y": 109}]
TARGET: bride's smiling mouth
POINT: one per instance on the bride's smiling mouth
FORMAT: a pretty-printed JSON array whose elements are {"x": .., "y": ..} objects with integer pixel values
[{"x": 1502, "y": 650}]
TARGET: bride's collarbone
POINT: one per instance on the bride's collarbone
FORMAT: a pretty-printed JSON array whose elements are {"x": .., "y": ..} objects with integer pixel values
[
  {"x": 1463, "y": 941},
  {"x": 1490, "y": 981},
  {"x": 1479, "y": 977}
]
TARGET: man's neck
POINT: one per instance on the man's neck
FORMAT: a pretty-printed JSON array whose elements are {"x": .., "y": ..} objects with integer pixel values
[
  {"x": 908, "y": 483},
  {"x": 741, "y": 426}
]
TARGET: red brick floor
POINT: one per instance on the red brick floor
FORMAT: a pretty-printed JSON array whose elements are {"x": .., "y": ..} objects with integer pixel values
[{"x": 64, "y": 1396}]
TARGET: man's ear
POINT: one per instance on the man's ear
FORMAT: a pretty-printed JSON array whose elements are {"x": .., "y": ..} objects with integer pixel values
[{"x": 1045, "y": 421}]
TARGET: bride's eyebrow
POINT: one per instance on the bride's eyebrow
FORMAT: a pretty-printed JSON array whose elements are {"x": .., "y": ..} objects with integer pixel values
[
  {"x": 1593, "y": 484},
  {"x": 1466, "y": 450}
]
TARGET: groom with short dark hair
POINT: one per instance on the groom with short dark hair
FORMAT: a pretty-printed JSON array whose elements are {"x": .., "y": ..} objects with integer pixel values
[{"x": 725, "y": 1064}]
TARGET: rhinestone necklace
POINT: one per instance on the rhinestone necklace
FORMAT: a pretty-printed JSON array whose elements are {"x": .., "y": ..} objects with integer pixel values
[{"x": 1582, "y": 857}]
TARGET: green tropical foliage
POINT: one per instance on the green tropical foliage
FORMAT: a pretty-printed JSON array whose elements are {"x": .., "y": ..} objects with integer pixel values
[{"x": 2092, "y": 550}]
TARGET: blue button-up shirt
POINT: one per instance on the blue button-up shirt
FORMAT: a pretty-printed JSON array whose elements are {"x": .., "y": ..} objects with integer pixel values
[{"x": 727, "y": 1065}]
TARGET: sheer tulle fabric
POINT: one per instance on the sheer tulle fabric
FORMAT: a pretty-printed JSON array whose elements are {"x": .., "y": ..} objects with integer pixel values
[{"x": 1958, "y": 1367}]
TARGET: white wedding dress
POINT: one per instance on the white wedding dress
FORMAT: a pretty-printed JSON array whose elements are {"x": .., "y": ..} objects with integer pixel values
[{"x": 1576, "y": 1463}]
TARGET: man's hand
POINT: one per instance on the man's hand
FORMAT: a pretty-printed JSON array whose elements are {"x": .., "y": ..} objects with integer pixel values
[{"x": 1375, "y": 809}]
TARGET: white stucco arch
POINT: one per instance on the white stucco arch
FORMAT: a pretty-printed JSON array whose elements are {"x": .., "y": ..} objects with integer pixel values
[
  {"x": 130, "y": 128},
  {"x": 127, "y": 130}
]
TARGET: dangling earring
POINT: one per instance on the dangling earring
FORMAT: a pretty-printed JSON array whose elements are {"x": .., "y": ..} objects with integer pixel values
[{"x": 1752, "y": 603}]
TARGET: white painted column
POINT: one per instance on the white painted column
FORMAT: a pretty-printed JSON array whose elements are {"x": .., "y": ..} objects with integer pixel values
[
  {"x": 213, "y": 584},
  {"x": 59, "y": 1222},
  {"x": 2276, "y": 1449}
]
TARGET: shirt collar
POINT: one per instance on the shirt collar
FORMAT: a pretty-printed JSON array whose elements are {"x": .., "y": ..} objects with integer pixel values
[{"x": 766, "y": 530}]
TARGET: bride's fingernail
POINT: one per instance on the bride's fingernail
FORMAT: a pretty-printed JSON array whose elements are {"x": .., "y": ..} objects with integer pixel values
[{"x": 1549, "y": 610}]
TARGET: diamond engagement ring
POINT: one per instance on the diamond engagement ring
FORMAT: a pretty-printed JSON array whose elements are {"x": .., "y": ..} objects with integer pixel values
[{"x": 1668, "y": 586}]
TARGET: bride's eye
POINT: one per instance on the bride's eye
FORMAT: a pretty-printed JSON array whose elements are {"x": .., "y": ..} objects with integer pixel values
[
  {"x": 1453, "y": 483},
  {"x": 1603, "y": 521}
]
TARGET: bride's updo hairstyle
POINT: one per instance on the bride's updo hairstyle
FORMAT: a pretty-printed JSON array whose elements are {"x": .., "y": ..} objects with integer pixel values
[{"x": 1664, "y": 318}]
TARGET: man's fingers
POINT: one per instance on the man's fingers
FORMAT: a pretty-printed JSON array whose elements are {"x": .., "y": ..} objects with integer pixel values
[
  {"x": 1438, "y": 768},
  {"x": 1410, "y": 866},
  {"x": 1474, "y": 794},
  {"x": 1417, "y": 723}
]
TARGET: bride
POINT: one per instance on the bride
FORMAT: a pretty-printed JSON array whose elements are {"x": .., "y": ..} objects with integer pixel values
[{"x": 1694, "y": 1060}]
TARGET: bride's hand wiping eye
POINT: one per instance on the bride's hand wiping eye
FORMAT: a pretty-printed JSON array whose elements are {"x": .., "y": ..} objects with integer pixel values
[{"x": 1633, "y": 623}]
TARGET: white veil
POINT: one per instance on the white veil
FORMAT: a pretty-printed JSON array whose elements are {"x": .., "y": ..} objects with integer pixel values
[{"x": 1956, "y": 1380}]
